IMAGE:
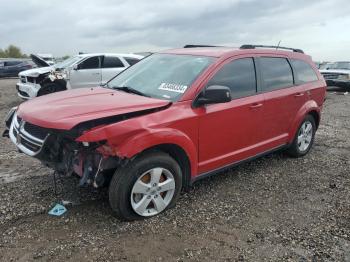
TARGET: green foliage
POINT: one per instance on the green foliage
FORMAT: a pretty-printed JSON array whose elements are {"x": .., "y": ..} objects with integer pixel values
[
  {"x": 12, "y": 51},
  {"x": 65, "y": 57}
]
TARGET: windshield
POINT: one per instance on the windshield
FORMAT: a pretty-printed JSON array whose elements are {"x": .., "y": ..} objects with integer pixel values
[
  {"x": 339, "y": 65},
  {"x": 164, "y": 76},
  {"x": 68, "y": 62}
]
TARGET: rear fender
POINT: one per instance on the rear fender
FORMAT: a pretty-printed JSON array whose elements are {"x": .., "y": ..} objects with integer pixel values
[{"x": 303, "y": 111}]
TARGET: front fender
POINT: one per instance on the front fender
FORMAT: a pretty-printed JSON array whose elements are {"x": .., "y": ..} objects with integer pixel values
[
  {"x": 309, "y": 106},
  {"x": 150, "y": 138}
]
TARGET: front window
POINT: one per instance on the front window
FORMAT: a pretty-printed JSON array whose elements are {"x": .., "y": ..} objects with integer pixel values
[{"x": 164, "y": 76}]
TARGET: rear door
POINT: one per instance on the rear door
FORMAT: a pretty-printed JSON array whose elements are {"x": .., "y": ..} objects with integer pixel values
[
  {"x": 111, "y": 66},
  {"x": 87, "y": 73},
  {"x": 282, "y": 99},
  {"x": 229, "y": 132}
]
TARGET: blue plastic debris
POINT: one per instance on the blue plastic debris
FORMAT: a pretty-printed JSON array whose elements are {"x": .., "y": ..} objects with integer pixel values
[{"x": 57, "y": 210}]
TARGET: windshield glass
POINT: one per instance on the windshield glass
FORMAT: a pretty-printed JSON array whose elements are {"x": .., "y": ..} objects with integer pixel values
[
  {"x": 164, "y": 76},
  {"x": 339, "y": 65},
  {"x": 68, "y": 62}
]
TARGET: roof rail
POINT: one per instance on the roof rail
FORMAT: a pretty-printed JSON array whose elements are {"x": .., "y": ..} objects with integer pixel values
[
  {"x": 272, "y": 46},
  {"x": 194, "y": 46}
]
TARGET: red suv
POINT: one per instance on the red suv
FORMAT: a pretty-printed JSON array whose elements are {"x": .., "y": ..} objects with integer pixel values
[{"x": 173, "y": 118}]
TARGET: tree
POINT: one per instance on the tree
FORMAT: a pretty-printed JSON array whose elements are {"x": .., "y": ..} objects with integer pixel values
[{"x": 13, "y": 52}]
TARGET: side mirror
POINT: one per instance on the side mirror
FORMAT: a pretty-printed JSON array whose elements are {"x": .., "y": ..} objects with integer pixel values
[
  {"x": 75, "y": 67},
  {"x": 214, "y": 94}
]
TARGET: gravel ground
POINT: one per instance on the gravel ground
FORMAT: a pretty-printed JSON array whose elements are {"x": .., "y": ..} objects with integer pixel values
[{"x": 275, "y": 208}]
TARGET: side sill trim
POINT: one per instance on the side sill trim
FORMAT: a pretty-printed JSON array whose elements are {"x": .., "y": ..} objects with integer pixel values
[{"x": 220, "y": 169}]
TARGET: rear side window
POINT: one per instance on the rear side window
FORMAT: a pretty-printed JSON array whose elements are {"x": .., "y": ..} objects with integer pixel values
[
  {"x": 112, "y": 62},
  {"x": 303, "y": 71},
  {"x": 276, "y": 73},
  {"x": 90, "y": 63},
  {"x": 239, "y": 76},
  {"x": 131, "y": 60}
]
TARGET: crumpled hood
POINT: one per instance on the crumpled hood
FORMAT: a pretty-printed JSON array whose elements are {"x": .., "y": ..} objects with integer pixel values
[
  {"x": 35, "y": 72},
  {"x": 336, "y": 71},
  {"x": 66, "y": 109}
]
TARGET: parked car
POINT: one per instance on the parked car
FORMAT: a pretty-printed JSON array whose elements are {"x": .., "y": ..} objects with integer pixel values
[
  {"x": 85, "y": 70},
  {"x": 11, "y": 67},
  {"x": 48, "y": 58},
  {"x": 173, "y": 118},
  {"x": 337, "y": 74}
]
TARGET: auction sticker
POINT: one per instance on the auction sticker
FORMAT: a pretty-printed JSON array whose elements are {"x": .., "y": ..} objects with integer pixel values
[{"x": 173, "y": 87}]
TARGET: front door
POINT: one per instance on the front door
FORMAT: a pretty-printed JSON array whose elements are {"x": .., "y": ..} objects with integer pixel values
[
  {"x": 87, "y": 73},
  {"x": 230, "y": 132}
]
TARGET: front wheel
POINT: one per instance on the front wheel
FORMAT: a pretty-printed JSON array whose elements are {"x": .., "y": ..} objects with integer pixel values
[
  {"x": 145, "y": 187},
  {"x": 304, "y": 138}
]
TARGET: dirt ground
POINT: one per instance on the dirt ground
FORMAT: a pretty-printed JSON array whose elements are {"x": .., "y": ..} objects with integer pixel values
[{"x": 274, "y": 208}]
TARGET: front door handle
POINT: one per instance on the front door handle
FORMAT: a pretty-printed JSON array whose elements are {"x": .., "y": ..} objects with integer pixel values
[
  {"x": 95, "y": 73},
  {"x": 299, "y": 94},
  {"x": 256, "y": 105}
]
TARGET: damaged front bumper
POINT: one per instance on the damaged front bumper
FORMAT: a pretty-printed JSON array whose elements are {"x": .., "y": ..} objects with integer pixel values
[{"x": 58, "y": 149}]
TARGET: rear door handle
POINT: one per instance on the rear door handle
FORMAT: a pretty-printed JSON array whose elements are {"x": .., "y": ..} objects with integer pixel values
[
  {"x": 299, "y": 94},
  {"x": 256, "y": 105}
]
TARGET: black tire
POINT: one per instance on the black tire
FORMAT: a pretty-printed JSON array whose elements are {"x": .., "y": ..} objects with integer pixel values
[
  {"x": 294, "y": 149},
  {"x": 123, "y": 180},
  {"x": 49, "y": 89}
]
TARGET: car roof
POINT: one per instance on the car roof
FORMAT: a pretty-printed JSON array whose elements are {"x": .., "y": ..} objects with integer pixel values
[
  {"x": 222, "y": 52},
  {"x": 111, "y": 54}
]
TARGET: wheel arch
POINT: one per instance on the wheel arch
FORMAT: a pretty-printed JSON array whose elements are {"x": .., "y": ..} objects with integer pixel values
[
  {"x": 171, "y": 141},
  {"x": 309, "y": 108},
  {"x": 179, "y": 155}
]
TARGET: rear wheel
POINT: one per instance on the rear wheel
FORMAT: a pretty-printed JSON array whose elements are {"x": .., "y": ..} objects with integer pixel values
[
  {"x": 145, "y": 187},
  {"x": 304, "y": 138}
]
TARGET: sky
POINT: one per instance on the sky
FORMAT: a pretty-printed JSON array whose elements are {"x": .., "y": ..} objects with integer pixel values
[{"x": 320, "y": 28}]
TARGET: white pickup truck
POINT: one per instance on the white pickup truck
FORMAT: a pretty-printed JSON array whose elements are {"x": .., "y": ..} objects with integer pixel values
[
  {"x": 84, "y": 70},
  {"x": 337, "y": 74}
]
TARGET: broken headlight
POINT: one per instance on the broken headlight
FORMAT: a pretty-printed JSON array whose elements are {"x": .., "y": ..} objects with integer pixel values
[{"x": 9, "y": 116}]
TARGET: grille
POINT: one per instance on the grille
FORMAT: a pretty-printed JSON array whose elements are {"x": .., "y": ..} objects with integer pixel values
[
  {"x": 31, "y": 79},
  {"x": 36, "y": 131},
  {"x": 23, "y": 79},
  {"x": 330, "y": 76},
  {"x": 28, "y": 138}
]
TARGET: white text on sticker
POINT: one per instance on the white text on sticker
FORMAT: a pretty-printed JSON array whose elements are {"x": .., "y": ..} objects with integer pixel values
[{"x": 173, "y": 87}]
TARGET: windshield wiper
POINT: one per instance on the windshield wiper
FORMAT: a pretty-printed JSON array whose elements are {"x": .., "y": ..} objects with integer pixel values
[{"x": 130, "y": 90}]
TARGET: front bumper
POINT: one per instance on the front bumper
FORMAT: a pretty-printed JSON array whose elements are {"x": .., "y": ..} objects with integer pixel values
[
  {"x": 339, "y": 83},
  {"x": 27, "y": 90}
]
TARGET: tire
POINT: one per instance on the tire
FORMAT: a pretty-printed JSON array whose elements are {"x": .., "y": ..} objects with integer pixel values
[
  {"x": 134, "y": 192},
  {"x": 49, "y": 89},
  {"x": 303, "y": 139}
]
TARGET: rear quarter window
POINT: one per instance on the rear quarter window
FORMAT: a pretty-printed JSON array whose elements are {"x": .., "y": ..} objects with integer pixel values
[
  {"x": 131, "y": 61},
  {"x": 276, "y": 73},
  {"x": 304, "y": 73}
]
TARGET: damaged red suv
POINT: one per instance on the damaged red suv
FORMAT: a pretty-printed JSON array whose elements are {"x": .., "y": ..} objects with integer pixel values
[{"x": 173, "y": 118}]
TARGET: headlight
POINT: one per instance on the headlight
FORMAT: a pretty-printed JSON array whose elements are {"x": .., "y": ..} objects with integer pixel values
[
  {"x": 344, "y": 77},
  {"x": 9, "y": 116}
]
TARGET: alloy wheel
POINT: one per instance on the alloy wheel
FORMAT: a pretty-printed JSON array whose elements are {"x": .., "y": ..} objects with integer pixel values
[{"x": 152, "y": 191}]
